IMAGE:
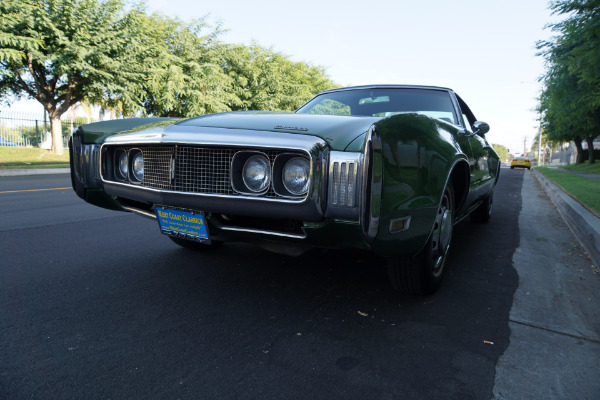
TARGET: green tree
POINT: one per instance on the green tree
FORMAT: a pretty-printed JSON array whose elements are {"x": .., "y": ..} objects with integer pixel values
[
  {"x": 60, "y": 52},
  {"x": 563, "y": 113},
  {"x": 502, "y": 151},
  {"x": 570, "y": 99},
  {"x": 266, "y": 80},
  {"x": 185, "y": 77},
  {"x": 63, "y": 52}
]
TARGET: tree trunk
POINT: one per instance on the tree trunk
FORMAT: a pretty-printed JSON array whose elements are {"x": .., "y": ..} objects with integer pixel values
[
  {"x": 57, "y": 140},
  {"x": 579, "y": 148},
  {"x": 590, "y": 143}
]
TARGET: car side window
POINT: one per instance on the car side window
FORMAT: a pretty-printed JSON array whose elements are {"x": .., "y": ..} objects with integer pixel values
[
  {"x": 330, "y": 107},
  {"x": 467, "y": 124},
  {"x": 467, "y": 115}
]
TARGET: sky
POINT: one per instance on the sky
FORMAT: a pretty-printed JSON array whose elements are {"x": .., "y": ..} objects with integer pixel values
[{"x": 482, "y": 49}]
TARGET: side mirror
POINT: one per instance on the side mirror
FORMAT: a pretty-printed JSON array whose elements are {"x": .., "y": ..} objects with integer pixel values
[{"x": 481, "y": 128}]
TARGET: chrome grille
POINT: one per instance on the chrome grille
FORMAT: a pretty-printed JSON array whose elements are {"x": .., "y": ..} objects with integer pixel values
[
  {"x": 190, "y": 169},
  {"x": 202, "y": 170},
  {"x": 157, "y": 167}
]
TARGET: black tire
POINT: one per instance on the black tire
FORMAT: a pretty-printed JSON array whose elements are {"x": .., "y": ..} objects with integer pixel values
[
  {"x": 422, "y": 274},
  {"x": 511, "y": 167},
  {"x": 528, "y": 168},
  {"x": 196, "y": 246},
  {"x": 483, "y": 213}
]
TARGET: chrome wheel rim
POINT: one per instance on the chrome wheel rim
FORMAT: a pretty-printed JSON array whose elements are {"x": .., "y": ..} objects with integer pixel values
[{"x": 442, "y": 235}]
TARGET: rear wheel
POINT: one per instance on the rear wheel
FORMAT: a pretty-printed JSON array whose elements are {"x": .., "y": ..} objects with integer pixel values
[
  {"x": 197, "y": 246},
  {"x": 423, "y": 273}
]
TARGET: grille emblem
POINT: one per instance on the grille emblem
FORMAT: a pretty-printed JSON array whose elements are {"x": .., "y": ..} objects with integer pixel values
[{"x": 172, "y": 169}]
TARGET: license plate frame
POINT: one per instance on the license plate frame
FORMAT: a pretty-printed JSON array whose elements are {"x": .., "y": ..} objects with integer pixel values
[{"x": 182, "y": 223}]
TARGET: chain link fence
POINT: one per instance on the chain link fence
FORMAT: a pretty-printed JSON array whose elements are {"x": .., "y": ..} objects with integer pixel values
[{"x": 19, "y": 129}]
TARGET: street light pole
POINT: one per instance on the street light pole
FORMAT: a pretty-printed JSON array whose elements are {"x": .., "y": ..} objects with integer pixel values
[{"x": 540, "y": 145}]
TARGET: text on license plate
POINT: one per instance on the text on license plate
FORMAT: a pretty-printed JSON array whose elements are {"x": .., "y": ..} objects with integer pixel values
[{"x": 182, "y": 223}]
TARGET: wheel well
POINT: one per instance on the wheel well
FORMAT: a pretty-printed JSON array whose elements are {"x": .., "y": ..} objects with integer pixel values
[{"x": 460, "y": 183}]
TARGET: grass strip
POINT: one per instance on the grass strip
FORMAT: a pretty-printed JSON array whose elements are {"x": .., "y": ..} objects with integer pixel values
[
  {"x": 31, "y": 157},
  {"x": 585, "y": 190}
]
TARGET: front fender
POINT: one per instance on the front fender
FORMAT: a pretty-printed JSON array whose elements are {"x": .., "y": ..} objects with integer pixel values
[{"x": 418, "y": 154}]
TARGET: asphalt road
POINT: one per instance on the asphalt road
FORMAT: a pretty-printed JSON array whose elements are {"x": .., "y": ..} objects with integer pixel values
[{"x": 97, "y": 304}]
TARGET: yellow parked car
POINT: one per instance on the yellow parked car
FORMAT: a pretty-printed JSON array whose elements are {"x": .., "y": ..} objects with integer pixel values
[{"x": 520, "y": 162}]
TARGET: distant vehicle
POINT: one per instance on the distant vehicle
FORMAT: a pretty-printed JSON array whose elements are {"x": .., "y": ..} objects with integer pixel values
[
  {"x": 8, "y": 143},
  {"x": 520, "y": 162}
]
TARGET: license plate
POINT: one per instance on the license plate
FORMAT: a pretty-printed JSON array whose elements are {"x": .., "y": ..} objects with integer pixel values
[{"x": 184, "y": 224}]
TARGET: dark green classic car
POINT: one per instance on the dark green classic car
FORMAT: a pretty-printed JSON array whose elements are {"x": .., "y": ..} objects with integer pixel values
[{"x": 385, "y": 168}]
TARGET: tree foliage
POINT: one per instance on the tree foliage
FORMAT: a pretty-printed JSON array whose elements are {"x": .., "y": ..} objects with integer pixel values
[
  {"x": 113, "y": 54},
  {"x": 184, "y": 75},
  {"x": 570, "y": 99},
  {"x": 502, "y": 152},
  {"x": 62, "y": 51},
  {"x": 266, "y": 80}
]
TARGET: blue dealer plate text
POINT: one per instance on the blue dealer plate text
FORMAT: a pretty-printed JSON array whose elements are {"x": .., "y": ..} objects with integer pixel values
[{"x": 183, "y": 224}]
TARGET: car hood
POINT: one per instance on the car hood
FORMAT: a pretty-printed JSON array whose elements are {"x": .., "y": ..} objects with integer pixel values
[{"x": 338, "y": 131}]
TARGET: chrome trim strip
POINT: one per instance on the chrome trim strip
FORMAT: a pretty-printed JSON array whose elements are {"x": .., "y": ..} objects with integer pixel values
[
  {"x": 372, "y": 189},
  {"x": 143, "y": 213},
  {"x": 263, "y": 232},
  {"x": 199, "y": 135},
  {"x": 213, "y": 196}
]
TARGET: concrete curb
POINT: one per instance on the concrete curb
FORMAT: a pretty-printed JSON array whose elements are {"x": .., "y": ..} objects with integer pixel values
[
  {"x": 584, "y": 224},
  {"x": 34, "y": 171}
]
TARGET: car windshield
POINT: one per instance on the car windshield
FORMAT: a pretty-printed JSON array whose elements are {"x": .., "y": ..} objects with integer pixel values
[{"x": 383, "y": 103}]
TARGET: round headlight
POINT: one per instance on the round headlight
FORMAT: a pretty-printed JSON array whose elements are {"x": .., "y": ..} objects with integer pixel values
[
  {"x": 137, "y": 166},
  {"x": 295, "y": 175},
  {"x": 121, "y": 164},
  {"x": 257, "y": 173}
]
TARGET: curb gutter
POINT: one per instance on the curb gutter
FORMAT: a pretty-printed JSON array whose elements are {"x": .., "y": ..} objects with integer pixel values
[{"x": 584, "y": 224}]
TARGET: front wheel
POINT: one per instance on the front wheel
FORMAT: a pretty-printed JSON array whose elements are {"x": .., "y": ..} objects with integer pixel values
[
  {"x": 423, "y": 273},
  {"x": 197, "y": 246}
]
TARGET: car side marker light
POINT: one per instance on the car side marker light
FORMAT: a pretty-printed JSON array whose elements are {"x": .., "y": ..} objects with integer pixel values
[{"x": 399, "y": 224}]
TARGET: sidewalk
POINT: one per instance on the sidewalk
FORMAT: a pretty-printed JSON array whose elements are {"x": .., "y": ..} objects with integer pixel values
[
  {"x": 585, "y": 174},
  {"x": 34, "y": 171},
  {"x": 554, "y": 342}
]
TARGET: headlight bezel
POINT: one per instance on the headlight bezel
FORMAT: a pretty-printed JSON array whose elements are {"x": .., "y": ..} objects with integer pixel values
[
  {"x": 121, "y": 160},
  {"x": 134, "y": 176},
  {"x": 124, "y": 165},
  {"x": 279, "y": 169},
  {"x": 238, "y": 167}
]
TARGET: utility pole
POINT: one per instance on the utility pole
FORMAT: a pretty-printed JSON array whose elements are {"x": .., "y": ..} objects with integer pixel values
[{"x": 540, "y": 145}]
